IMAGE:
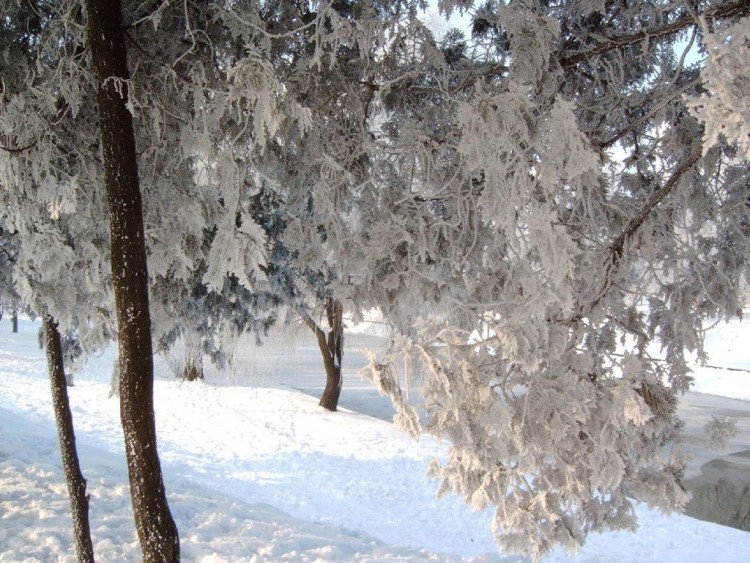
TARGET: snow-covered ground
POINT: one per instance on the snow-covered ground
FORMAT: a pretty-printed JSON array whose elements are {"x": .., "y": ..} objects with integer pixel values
[{"x": 260, "y": 473}]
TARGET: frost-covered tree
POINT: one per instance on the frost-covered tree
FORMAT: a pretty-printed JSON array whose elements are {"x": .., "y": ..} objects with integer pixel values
[
  {"x": 206, "y": 107},
  {"x": 39, "y": 165},
  {"x": 528, "y": 202},
  {"x": 325, "y": 54},
  {"x": 532, "y": 210},
  {"x": 298, "y": 287},
  {"x": 60, "y": 262},
  {"x": 539, "y": 217},
  {"x": 200, "y": 106},
  {"x": 52, "y": 173},
  {"x": 474, "y": 192},
  {"x": 156, "y": 529}
]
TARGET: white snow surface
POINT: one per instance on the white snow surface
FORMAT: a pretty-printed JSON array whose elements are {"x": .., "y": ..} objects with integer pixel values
[{"x": 263, "y": 474}]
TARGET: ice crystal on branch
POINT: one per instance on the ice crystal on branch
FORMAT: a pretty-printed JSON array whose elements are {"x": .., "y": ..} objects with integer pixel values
[{"x": 725, "y": 108}]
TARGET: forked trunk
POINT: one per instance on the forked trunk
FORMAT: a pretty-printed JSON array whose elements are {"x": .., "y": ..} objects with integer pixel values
[
  {"x": 79, "y": 500},
  {"x": 332, "y": 392},
  {"x": 332, "y": 349},
  {"x": 333, "y": 354},
  {"x": 156, "y": 529}
]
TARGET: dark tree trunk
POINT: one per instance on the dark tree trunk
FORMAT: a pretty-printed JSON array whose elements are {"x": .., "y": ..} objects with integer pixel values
[
  {"x": 193, "y": 369},
  {"x": 332, "y": 349},
  {"x": 14, "y": 321},
  {"x": 79, "y": 500},
  {"x": 157, "y": 531}
]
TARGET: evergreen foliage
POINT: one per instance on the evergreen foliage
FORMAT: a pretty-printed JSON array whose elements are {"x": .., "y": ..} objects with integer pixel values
[{"x": 540, "y": 205}]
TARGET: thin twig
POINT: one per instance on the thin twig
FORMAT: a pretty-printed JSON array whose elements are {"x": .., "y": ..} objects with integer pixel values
[{"x": 14, "y": 150}]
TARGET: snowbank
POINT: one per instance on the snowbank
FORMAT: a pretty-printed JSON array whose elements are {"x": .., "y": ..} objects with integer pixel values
[{"x": 262, "y": 474}]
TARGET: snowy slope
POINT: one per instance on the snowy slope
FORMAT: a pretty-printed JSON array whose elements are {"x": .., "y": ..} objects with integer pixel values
[{"x": 261, "y": 474}]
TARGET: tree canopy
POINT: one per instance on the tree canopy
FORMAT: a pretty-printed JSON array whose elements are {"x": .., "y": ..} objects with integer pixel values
[{"x": 545, "y": 206}]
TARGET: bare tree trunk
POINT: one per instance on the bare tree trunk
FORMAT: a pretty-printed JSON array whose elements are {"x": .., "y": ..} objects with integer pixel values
[
  {"x": 14, "y": 320},
  {"x": 193, "y": 369},
  {"x": 79, "y": 500},
  {"x": 157, "y": 531},
  {"x": 332, "y": 349}
]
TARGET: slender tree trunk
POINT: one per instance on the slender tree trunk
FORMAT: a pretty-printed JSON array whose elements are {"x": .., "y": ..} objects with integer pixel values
[
  {"x": 332, "y": 349},
  {"x": 79, "y": 500},
  {"x": 193, "y": 369},
  {"x": 157, "y": 531},
  {"x": 14, "y": 321}
]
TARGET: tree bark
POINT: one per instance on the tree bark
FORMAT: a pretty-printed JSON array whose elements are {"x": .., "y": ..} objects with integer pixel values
[
  {"x": 157, "y": 531},
  {"x": 332, "y": 349},
  {"x": 79, "y": 500},
  {"x": 14, "y": 321}
]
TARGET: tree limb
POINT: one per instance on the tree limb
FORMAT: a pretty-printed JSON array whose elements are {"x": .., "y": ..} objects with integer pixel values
[
  {"x": 739, "y": 8},
  {"x": 14, "y": 150},
  {"x": 602, "y": 145},
  {"x": 617, "y": 248}
]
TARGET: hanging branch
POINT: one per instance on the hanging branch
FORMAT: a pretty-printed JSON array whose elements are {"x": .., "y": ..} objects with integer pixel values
[{"x": 617, "y": 248}]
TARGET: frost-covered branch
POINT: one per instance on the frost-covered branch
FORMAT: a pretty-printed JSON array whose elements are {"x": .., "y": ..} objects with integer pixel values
[
  {"x": 737, "y": 9},
  {"x": 618, "y": 246},
  {"x": 18, "y": 149}
]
